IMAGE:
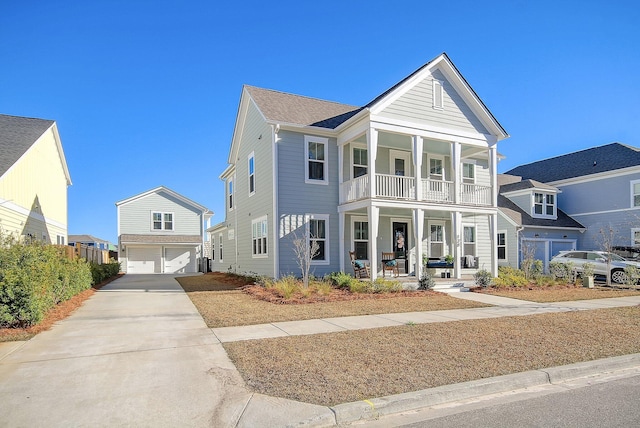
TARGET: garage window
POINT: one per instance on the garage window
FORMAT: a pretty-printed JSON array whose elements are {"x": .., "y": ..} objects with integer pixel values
[{"x": 162, "y": 221}]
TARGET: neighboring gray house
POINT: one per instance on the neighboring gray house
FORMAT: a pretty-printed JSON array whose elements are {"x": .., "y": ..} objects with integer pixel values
[
  {"x": 160, "y": 231},
  {"x": 413, "y": 172},
  {"x": 530, "y": 222},
  {"x": 600, "y": 188},
  {"x": 91, "y": 241}
]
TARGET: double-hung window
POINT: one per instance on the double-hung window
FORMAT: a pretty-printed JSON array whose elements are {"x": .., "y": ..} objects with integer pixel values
[
  {"x": 635, "y": 193},
  {"x": 502, "y": 246},
  {"x": 162, "y": 221},
  {"x": 316, "y": 158},
  {"x": 469, "y": 240},
  {"x": 318, "y": 238},
  {"x": 230, "y": 190},
  {"x": 544, "y": 204},
  {"x": 252, "y": 175},
  {"x": 220, "y": 246},
  {"x": 259, "y": 237},
  {"x": 361, "y": 239},
  {"x": 360, "y": 162},
  {"x": 468, "y": 173},
  {"x": 436, "y": 171}
]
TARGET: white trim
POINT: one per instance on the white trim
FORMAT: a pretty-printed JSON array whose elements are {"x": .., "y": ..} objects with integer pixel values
[
  {"x": 437, "y": 86},
  {"x": 431, "y": 132},
  {"x": 167, "y": 190},
  {"x": 220, "y": 247},
  {"x": 475, "y": 239},
  {"x": 435, "y": 176},
  {"x": 359, "y": 219},
  {"x": 405, "y": 156},
  {"x": 263, "y": 222},
  {"x": 506, "y": 246},
  {"x": 162, "y": 221},
  {"x": 604, "y": 212},
  {"x": 251, "y": 157},
  {"x": 544, "y": 204},
  {"x": 445, "y": 246},
  {"x": 8, "y": 204},
  {"x": 594, "y": 177},
  {"x": 633, "y": 240},
  {"x": 325, "y": 162},
  {"x": 231, "y": 203},
  {"x": 471, "y": 162},
  {"x": 632, "y": 183},
  {"x": 358, "y": 146},
  {"x": 327, "y": 246}
]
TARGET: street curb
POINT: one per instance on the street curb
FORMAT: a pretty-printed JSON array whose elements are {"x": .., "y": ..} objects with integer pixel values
[{"x": 376, "y": 407}]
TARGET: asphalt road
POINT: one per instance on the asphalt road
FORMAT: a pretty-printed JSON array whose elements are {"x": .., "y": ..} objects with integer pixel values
[{"x": 608, "y": 401}]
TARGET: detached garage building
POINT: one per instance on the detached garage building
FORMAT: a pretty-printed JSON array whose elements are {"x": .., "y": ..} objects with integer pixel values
[{"x": 161, "y": 231}]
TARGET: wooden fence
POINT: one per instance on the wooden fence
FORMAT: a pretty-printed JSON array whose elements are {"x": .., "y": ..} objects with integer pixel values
[{"x": 91, "y": 254}]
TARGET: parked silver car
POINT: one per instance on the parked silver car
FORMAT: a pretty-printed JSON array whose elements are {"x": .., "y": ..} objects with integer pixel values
[{"x": 599, "y": 261}]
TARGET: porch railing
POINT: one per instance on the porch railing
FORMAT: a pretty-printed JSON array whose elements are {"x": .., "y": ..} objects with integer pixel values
[
  {"x": 395, "y": 186},
  {"x": 355, "y": 189},
  {"x": 473, "y": 194},
  {"x": 437, "y": 191}
]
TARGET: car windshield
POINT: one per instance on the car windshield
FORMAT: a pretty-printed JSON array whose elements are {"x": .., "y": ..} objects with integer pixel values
[{"x": 615, "y": 257}]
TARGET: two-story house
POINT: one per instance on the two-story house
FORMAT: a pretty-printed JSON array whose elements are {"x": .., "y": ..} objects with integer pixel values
[
  {"x": 160, "y": 231},
  {"x": 530, "y": 224},
  {"x": 413, "y": 172},
  {"x": 33, "y": 180},
  {"x": 600, "y": 189}
]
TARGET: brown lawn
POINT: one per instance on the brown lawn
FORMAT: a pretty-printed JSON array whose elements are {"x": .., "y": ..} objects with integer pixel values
[{"x": 559, "y": 294}]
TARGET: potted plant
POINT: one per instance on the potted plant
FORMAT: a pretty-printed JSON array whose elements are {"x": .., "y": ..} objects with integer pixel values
[
  {"x": 449, "y": 260},
  {"x": 587, "y": 275}
]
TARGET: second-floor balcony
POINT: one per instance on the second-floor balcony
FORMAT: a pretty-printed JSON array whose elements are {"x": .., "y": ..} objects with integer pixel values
[{"x": 403, "y": 188}]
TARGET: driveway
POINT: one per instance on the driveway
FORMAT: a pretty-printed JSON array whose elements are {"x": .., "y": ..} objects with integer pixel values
[{"x": 137, "y": 354}]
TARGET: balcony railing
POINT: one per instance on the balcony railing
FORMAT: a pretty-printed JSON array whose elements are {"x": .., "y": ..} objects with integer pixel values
[{"x": 403, "y": 188}]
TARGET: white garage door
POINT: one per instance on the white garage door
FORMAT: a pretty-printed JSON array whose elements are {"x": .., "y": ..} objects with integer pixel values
[
  {"x": 144, "y": 259},
  {"x": 179, "y": 260}
]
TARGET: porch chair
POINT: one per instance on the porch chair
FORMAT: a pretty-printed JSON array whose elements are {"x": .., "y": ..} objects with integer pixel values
[
  {"x": 360, "y": 267},
  {"x": 389, "y": 263}
]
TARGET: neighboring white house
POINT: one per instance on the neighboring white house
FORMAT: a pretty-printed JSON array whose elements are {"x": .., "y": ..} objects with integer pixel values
[
  {"x": 413, "y": 172},
  {"x": 33, "y": 180},
  {"x": 160, "y": 231}
]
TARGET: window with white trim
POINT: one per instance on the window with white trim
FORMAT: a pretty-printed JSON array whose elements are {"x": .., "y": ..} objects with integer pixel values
[
  {"x": 469, "y": 240},
  {"x": 635, "y": 237},
  {"x": 230, "y": 193},
  {"x": 361, "y": 239},
  {"x": 316, "y": 157},
  {"x": 544, "y": 204},
  {"x": 161, "y": 221},
  {"x": 501, "y": 242},
  {"x": 436, "y": 170},
  {"x": 220, "y": 246},
  {"x": 468, "y": 173},
  {"x": 436, "y": 240},
  {"x": 635, "y": 193},
  {"x": 360, "y": 162},
  {"x": 213, "y": 247},
  {"x": 259, "y": 237},
  {"x": 318, "y": 232},
  {"x": 252, "y": 175},
  {"x": 438, "y": 94}
]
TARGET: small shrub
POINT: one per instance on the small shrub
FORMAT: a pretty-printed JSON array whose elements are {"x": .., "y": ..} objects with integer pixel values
[
  {"x": 562, "y": 271},
  {"x": 358, "y": 286},
  {"x": 510, "y": 277},
  {"x": 287, "y": 286},
  {"x": 101, "y": 272},
  {"x": 382, "y": 285},
  {"x": 426, "y": 281},
  {"x": 483, "y": 278},
  {"x": 340, "y": 279},
  {"x": 633, "y": 275}
]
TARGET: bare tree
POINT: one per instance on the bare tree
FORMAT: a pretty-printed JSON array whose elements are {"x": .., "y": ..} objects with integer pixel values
[
  {"x": 305, "y": 253},
  {"x": 606, "y": 240},
  {"x": 528, "y": 251}
]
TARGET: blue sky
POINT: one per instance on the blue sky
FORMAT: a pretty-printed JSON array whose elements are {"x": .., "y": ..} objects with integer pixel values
[{"x": 145, "y": 93}]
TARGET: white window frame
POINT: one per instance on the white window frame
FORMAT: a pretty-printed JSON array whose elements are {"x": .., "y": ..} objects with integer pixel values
[
  {"x": 633, "y": 194},
  {"x": 635, "y": 230},
  {"x": 506, "y": 254},
  {"x": 444, "y": 237},
  {"x": 355, "y": 147},
  {"x": 544, "y": 204},
  {"x": 163, "y": 227},
  {"x": 251, "y": 175},
  {"x": 259, "y": 237},
  {"x": 354, "y": 220},
  {"x": 435, "y": 176},
  {"x": 327, "y": 246},
  {"x": 474, "y": 242},
  {"x": 469, "y": 180},
  {"x": 406, "y": 157},
  {"x": 220, "y": 246},
  {"x": 230, "y": 194},
  {"x": 438, "y": 94},
  {"x": 325, "y": 162}
]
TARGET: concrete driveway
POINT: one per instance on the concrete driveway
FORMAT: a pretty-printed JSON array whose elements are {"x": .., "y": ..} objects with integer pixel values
[{"x": 136, "y": 354}]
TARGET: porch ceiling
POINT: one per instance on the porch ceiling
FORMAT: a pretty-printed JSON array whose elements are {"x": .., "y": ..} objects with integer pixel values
[{"x": 403, "y": 142}]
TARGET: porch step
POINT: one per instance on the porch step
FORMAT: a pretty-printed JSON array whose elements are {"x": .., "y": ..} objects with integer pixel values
[{"x": 452, "y": 287}]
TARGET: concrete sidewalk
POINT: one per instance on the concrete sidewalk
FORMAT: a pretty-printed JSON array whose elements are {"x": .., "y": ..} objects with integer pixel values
[{"x": 139, "y": 354}]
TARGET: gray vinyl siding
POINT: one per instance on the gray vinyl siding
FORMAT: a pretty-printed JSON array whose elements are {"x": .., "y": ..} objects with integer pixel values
[
  {"x": 135, "y": 216},
  {"x": 523, "y": 201},
  {"x": 483, "y": 174},
  {"x": 417, "y": 106},
  {"x": 297, "y": 198},
  {"x": 511, "y": 241},
  {"x": 598, "y": 195},
  {"x": 483, "y": 239},
  {"x": 598, "y": 226},
  {"x": 257, "y": 138}
]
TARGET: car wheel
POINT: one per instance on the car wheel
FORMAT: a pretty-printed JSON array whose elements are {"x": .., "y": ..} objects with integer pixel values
[{"x": 618, "y": 276}]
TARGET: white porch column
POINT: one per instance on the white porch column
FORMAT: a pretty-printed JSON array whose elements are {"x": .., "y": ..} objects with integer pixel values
[
  {"x": 341, "y": 216},
  {"x": 372, "y": 153},
  {"x": 417, "y": 144},
  {"x": 341, "y": 197},
  {"x": 418, "y": 226},
  {"x": 493, "y": 170},
  {"x": 456, "y": 168},
  {"x": 373, "y": 215},
  {"x": 493, "y": 229},
  {"x": 456, "y": 240}
]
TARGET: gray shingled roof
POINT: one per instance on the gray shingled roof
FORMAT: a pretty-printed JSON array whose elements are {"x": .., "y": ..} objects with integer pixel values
[
  {"x": 522, "y": 218},
  {"x": 296, "y": 109},
  {"x": 595, "y": 160},
  {"x": 525, "y": 184},
  {"x": 17, "y": 134},
  {"x": 162, "y": 239}
]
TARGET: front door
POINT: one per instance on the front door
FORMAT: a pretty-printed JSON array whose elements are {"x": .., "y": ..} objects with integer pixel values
[{"x": 400, "y": 243}]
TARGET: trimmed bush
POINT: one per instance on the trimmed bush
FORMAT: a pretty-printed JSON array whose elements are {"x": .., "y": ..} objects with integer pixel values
[
  {"x": 102, "y": 272},
  {"x": 510, "y": 277},
  {"x": 483, "y": 278}
]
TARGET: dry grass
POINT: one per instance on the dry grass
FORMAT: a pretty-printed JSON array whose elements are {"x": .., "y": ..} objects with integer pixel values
[
  {"x": 559, "y": 294},
  {"x": 328, "y": 369}
]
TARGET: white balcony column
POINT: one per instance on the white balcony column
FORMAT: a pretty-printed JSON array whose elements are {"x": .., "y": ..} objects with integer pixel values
[
  {"x": 418, "y": 228},
  {"x": 493, "y": 223},
  {"x": 373, "y": 216},
  {"x": 456, "y": 169},
  {"x": 417, "y": 145},
  {"x": 341, "y": 196},
  {"x": 456, "y": 242},
  {"x": 493, "y": 170},
  {"x": 341, "y": 218},
  {"x": 372, "y": 152}
]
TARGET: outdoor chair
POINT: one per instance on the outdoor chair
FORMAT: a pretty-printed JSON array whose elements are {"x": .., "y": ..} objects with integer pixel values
[
  {"x": 360, "y": 267},
  {"x": 389, "y": 263}
]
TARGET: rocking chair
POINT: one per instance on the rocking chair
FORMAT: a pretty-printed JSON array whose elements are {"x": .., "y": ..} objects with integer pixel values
[{"x": 360, "y": 268}]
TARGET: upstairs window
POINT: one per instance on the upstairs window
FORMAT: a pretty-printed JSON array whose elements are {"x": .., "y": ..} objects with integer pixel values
[
  {"x": 438, "y": 95},
  {"x": 544, "y": 204},
  {"x": 251, "y": 168},
  {"x": 316, "y": 155},
  {"x": 635, "y": 193},
  {"x": 162, "y": 221},
  {"x": 435, "y": 169},
  {"x": 468, "y": 173},
  {"x": 360, "y": 162},
  {"x": 230, "y": 189}
]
